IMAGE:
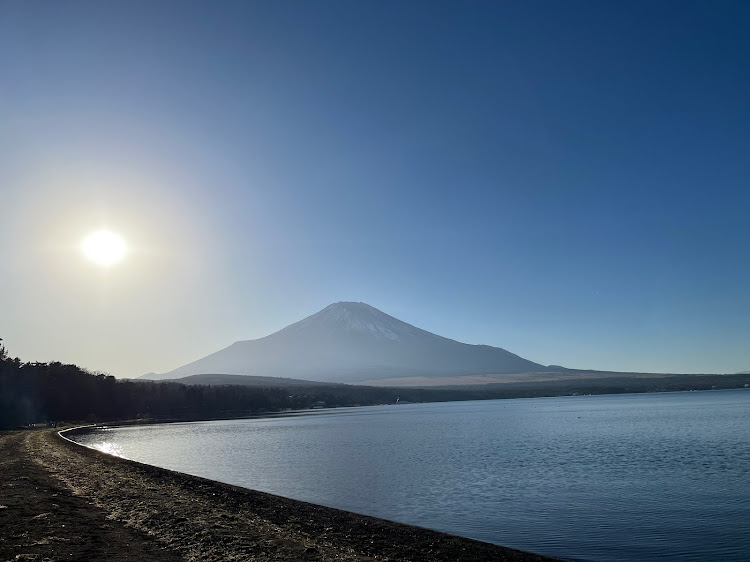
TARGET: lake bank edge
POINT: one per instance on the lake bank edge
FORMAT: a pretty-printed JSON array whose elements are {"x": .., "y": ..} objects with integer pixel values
[{"x": 156, "y": 499}]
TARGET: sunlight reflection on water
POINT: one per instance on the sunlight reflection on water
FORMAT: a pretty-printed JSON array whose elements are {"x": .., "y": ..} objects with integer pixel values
[{"x": 109, "y": 448}]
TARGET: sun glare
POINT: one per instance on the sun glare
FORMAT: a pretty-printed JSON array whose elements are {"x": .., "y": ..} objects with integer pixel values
[{"x": 104, "y": 247}]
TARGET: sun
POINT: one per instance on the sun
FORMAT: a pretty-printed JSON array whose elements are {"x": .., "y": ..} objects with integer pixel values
[{"x": 104, "y": 247}]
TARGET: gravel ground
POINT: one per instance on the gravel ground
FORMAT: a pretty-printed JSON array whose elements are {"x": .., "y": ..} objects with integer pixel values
[{"x": 62, "y": 501}]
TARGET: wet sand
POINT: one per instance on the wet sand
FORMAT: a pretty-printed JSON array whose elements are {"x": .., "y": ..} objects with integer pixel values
[{"x": 62, "y": 501}]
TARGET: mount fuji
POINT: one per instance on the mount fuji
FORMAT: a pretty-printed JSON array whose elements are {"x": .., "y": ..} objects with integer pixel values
[{"x": 353, "y": 342}]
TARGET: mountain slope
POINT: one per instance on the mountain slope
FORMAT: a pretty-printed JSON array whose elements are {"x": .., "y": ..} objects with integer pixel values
[
  {"x": 351, "y": 342},
  {"x": 245, "y": 380}
]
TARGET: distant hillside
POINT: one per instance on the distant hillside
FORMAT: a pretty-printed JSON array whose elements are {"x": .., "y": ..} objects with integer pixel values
[
  {"x": 44, "y": 392},
  {"x": 492, "y": 380},
  {"x": 247, "y": 380},
  {"x": 353, "y": 342}
]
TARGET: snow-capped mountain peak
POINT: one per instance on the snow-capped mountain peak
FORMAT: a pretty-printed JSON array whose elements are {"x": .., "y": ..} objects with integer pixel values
[{"x": 355, "y": 317}]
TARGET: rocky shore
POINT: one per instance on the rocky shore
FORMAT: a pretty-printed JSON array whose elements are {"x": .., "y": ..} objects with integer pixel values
[{"x": 62, "y": 501}]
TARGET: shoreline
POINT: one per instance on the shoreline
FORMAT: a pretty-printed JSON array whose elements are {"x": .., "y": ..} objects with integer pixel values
[
  {"x": 193, "y": 518},
  {"x": 336, "y": 409}
]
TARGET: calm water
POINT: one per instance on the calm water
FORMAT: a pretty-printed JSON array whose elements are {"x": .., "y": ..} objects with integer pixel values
[{"x": 595, "y": 477}]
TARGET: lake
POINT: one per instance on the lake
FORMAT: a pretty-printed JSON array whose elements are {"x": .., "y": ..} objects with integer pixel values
[{"x": 621, "y": 477}]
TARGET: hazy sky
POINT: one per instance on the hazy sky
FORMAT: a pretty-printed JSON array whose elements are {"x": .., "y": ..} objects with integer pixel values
[{"x": 568, "y": 180}]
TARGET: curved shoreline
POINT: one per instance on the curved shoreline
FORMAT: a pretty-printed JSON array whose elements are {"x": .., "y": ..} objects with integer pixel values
[{"x": 200, "y": 519}]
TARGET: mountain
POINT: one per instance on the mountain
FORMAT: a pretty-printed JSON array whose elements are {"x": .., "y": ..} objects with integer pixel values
[{"x": 354, "y": 342}]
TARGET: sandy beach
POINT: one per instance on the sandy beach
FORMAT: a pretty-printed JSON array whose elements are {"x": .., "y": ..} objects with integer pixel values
[{"x": 62, "y": 501}]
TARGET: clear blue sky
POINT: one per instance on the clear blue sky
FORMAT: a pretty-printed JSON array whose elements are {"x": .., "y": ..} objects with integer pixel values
[{"x": 567, "y": 180}]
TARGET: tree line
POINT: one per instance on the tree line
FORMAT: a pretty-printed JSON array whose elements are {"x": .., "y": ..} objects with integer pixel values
[{"x": 36, "y": 392}]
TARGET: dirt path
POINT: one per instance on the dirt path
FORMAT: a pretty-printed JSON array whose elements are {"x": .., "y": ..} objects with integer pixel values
[
  {"x": 40, "y": 519},
  {"x": 64, "y": 502}
]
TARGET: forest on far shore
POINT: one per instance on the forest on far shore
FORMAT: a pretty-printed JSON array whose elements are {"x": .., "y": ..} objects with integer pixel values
[{"x": 52, "y": 392}]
